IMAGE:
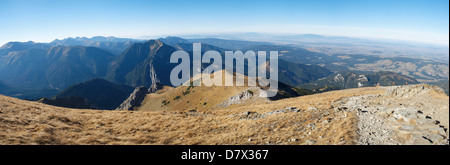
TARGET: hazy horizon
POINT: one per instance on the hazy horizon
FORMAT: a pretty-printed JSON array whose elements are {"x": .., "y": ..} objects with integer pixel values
[
  {"x": 233, "y": 36},
  {"x": 45, "y": 20}
]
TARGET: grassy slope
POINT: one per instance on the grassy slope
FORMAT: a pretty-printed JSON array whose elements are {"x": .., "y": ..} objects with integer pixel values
[
  {"x": 207, "y": 98},
  {"x": 25, "y": 122}
]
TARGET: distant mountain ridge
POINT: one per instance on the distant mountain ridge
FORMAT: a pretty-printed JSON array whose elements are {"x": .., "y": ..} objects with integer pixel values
[
  {"x": 290, "y": 73},
  {"x": 421, "y": 69},
  {"x": 345, "y": 80},
  {"x": 111, "y": 44},
  {"x": 57, "y": 67},
  {"x": 21, "y": 46}
]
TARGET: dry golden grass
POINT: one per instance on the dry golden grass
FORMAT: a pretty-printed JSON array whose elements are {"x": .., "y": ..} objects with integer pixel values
[
  {"x": 199, "y": 98},
  {"x": 195, "y": 97},
  {"x": 25, "y": 122}
]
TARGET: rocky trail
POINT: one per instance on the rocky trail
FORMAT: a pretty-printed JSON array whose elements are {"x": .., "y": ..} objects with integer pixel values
[{"x": 402, "y": 116}]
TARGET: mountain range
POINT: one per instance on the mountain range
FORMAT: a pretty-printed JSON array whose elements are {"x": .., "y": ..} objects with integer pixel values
[
  {"x": 33, "y": 70},
  {"x": 112, "y": 44},
  {"x": 331, "y": 45},
  {"x": 57, "y": 67},
  {"x": 345, "y": 80}
]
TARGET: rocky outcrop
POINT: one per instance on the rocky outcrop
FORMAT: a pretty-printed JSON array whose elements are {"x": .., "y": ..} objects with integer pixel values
[
  {"x": 239, "y": 98},
  {"x": 155, "y": 87},
  {"x": 338, "y": 78},
  {"x": 400, "y": 116},
  {"x": 134, "y": 100},
  {"x": 412, "y": 90},
  {"x": 255, "y": 115}
]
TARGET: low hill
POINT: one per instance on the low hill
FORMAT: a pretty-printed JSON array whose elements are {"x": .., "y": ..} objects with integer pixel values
[
  {"x": 98, "y": 92},
  {"x": 341, "y": 117},
  {"x": 69, "y": 102},
  {"x": 296, "y": 74}
]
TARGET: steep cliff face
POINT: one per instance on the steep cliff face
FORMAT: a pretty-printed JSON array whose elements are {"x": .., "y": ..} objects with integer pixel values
[
  {"x": 155, "y": 87},
  {"x": 134, "y": 100},
  {"x": 143, "y": 64}
]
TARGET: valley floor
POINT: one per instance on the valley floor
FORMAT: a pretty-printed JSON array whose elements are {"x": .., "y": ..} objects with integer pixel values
[{"x": 376, "y": 115}]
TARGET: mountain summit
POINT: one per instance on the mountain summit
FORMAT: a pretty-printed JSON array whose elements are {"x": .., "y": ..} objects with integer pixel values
[{"x": 143, "y": 64}]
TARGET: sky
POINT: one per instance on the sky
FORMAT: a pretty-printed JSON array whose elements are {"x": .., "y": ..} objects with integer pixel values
[{"x": 45, "y": 20}]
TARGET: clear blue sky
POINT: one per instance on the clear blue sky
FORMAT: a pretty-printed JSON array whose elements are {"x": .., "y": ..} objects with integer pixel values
[{"x": 45, "y": 20}]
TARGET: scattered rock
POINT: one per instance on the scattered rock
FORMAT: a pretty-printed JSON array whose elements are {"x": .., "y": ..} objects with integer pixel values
[
  {"x": 405, "y": 114},
  {"x": 238, "y": 98},
  {"x": 383, "y": 122},
  {"x": 286, "y": 110},
  {"x": 425, "y": 122},
  {"x": 411, "y": 90},
  {"x": 293, "y": 109},
  {"x": 248, "y": 115},
  {"x": 310, "y": 142},
  {"x": 275, "y": 112},
  {"x": 312, "y": 108},
  {"x": 340, "y": 108},
  {"x": 311, "y": 125}
]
